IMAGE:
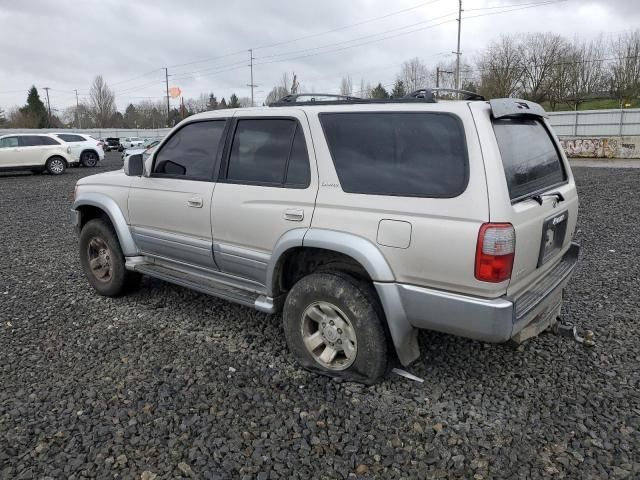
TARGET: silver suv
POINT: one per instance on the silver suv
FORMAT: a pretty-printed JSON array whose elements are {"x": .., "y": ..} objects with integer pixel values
[{"x": 361, "y": 220}]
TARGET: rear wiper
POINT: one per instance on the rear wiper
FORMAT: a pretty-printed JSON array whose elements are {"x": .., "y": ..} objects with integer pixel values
[{"x": 540, "y": 197}]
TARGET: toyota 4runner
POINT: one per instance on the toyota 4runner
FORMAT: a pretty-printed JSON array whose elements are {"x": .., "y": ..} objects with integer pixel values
[{"x": 361, "y": 220}]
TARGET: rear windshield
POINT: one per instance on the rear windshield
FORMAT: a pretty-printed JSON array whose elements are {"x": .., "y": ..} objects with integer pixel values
[
  {"x": 530, "y": 158},
  {"x": 398, "y": 153}
]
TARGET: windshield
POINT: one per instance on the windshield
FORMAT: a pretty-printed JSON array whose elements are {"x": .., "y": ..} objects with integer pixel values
[{"x": 529, "y": 156}]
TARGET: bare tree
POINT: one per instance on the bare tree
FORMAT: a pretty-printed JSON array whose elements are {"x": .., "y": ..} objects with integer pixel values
[
  {"x": 500, "y": 68},
  {"x": 244, "y": 102},
  {"x": 586, "y": 76},
  {"x": 102, "y": 101},
  {"x": 625, "y": 69},
  {"x": 346, "y": 86},
  {"x": 414, "y": 74},
  {"x": 540, "y": 52}
]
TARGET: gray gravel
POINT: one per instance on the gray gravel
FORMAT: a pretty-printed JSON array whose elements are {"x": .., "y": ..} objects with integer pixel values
[{"x": 168, "y": 383}]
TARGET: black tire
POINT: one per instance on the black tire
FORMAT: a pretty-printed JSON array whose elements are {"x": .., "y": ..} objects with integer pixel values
[
  {"x": 89, "y": 159},
  {"x": 119, "y": 281},
  {"x": 362, "y": 314},
  {"x": 56, "y": 165}
]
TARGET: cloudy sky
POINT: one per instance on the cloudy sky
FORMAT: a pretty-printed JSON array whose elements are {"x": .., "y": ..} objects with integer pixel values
[{"x": 63, "y": 44}]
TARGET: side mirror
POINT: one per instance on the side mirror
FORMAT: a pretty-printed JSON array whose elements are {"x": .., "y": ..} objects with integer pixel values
[{"x": 133, "y": 165}]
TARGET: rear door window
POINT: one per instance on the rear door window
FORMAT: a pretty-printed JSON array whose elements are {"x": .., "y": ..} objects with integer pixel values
[
  {"x": 48, "y": 141},
  {"x": 269, "y": 152},
  {"x": 530, "y": 158},
  {"x": 412, "y": 154},
  {"x": 9, "y": 142}
]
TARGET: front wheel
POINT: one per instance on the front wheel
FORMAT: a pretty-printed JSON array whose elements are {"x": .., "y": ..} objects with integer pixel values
[
  {"x": 89, "y": 159},
  {"x": 103, "y": 261},
  {"x": 56, "y": 166},
  {"x": 332, "y": 326}
]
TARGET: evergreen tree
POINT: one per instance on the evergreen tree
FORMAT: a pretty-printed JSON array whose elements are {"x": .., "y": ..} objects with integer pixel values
[
  {"x": 212, "y": 104},
  {"x": 398, "y": 89},
  {"x": 34, "y": 110},
  {"x": 233, "y": 101},
  {"x": 379, "y": 92},
  {"x": 223, "y": 103},
  {"x": 131, "y": 116}
]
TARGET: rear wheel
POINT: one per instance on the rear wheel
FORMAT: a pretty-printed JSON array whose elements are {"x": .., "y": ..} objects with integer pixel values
[
  {"x": 103, "y": 261},
  {"x": 56, "y": 165},
  {"x": 89, "y": 159},
  {"x": 332, "y": 326}
]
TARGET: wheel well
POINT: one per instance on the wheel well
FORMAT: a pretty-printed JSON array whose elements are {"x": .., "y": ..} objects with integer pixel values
[
  {"x": 89, "y": 212},
  {"x": 66, "y": 164},
  {"x": 87, "y": 151},
  {"x": 298, "y": 262}
]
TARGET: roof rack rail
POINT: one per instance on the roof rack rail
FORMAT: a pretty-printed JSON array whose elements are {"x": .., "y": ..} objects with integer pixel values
[
  {"x": 427, "y": 93},
  {"x": 313, "y": 98}
]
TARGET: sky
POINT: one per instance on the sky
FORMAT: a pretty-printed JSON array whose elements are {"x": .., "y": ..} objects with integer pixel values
[{"x": 64, "y": 44}]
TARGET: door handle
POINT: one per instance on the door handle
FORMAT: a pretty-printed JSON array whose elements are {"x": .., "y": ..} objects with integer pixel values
[
  {"x": 294, "y": 214},
  {"x": 195, "y": 202}
]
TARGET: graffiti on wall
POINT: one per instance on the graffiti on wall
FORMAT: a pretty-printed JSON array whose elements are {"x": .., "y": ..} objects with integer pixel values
[
  {"x": 602, "y": 147},
  {"x": 584, "y": 147}
]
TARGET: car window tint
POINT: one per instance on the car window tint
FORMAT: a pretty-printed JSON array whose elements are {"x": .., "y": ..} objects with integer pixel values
[
  {"x": 48, "y": 141},
  {"x": 260, "y": 151},
  {"x": 403, "y": 154},
  {"x": 9, "y": 142},
  {"x": 191, "y": 151},
  {"x": 71, "y": 138},
  {"x": 298, "y": 174},
  {"x": 530, "y": 159},
  {"x": 30, "y": 141}
]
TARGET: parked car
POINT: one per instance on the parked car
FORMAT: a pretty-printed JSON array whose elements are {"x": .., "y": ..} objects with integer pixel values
[
  {"x": 85, "y": 149},
  {"x": 360, "y": 220},
  {"x": 112, "y": 143},
  {"x": 143, "y": 150},
  {"x": 132, "y": 142},
  {"x": 35, "y": 152}
]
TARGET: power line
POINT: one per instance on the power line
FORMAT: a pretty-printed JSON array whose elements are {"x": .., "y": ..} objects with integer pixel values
[
  {"x": 345, "y": 27},
  {"x": 343, "y": 42},
  {"x": 359, "y": 44}
]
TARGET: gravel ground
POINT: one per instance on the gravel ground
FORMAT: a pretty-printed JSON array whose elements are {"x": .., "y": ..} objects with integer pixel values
[{"x": 172, "y": 383}]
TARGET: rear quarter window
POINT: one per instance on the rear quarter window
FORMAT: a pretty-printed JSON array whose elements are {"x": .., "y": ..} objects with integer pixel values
[
  {"x": 414, "y": 154},
  {"x": 530, "y": 158}
]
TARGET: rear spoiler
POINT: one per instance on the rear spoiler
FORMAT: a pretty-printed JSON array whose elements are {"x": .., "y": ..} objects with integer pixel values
[{"x": 515, "y": 107}]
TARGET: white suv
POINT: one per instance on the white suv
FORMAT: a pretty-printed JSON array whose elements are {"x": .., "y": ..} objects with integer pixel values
[
  {"x": 35, "y": 152},
  {"x": 132, "y": 142},
  {"x": 85, "y": 149},
  {"x": 362, "y": 220}
]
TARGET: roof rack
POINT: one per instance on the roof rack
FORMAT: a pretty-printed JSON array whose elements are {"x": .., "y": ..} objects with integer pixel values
[
  {"x": 424, "y": 95},
  {"x": 427, "y": 93}
]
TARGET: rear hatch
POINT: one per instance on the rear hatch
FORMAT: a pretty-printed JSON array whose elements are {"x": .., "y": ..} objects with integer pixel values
[{"x": 530, "y": 186}]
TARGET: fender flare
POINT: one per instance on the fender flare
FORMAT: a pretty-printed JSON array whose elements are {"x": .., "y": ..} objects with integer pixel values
[
  {"x": 111, "y": 208},
  {"x": 403, "y": 334}
]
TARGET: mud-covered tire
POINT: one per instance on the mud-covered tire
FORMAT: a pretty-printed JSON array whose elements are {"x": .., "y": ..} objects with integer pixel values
[
  {"x": 346, "y": 298},
  {"x": 98, "y": 241},
  {"x": 56, "y": 165}
]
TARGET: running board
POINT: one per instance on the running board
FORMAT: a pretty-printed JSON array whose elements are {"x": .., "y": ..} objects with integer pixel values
[{"x": 206, "y": 285}]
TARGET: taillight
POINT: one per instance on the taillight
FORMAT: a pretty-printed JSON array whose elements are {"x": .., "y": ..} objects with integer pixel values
[{"x": 495, "y": 251}]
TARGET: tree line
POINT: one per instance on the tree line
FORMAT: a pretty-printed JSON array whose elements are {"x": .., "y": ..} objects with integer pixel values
[{"x": 543, "y": 67}]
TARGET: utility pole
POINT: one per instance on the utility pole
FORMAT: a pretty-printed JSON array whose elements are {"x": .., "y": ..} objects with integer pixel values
[
  {"x": 252, "y": 85},
  {"x": 440, "y": 72},
  {"x": 166, "y": 78},
  {"x": 458, "y": 53},
  {"x": 48, "y": 107},
  {"x": 78, "y": 110}
]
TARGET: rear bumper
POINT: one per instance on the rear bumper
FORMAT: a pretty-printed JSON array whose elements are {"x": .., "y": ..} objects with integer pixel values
[{"x": 490, "y": 320}]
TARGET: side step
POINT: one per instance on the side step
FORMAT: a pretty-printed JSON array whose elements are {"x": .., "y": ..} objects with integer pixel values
[{"x": 207, "y": 285}]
